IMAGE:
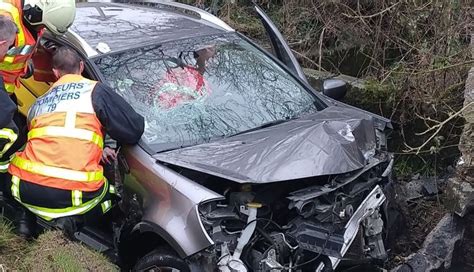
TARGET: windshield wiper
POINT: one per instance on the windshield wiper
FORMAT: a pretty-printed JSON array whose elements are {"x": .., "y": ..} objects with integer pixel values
[
  {"x": 173, "y": 146},
  {"x": 264, "y": 125}
]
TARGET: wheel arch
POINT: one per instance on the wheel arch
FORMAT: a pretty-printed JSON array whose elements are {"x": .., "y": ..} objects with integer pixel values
[{"x": 141, "y": 239}]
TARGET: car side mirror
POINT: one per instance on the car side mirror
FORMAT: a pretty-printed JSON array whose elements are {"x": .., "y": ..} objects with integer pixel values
[{"x": 335, "y": 88}]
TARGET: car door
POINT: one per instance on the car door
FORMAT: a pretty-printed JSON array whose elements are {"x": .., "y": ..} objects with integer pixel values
[
  {"x": 36, "y": 85},
  {"x": 280, "y": 47}
]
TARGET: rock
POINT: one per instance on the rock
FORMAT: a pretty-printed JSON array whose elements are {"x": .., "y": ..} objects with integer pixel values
[
  {"x": 466, "y": 144},
  {"x": 460, "y": 196},
  {"x": 438, "y": 247},
  {"x": 430, "y": 186},
  {"x": 412, "y": 190},
  {"x": 419, "y": 187},
  {"x": 316, "y": 78}
]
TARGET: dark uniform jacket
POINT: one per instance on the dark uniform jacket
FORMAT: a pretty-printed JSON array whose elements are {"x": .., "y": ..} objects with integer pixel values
[
  {"x": 119, "y": 119},
  {"x": 7, "y": 111}
]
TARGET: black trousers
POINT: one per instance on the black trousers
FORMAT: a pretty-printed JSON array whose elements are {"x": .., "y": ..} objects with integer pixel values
[
  {"x": 5, "y": 178},
  {"x": 52, "y": 198}
]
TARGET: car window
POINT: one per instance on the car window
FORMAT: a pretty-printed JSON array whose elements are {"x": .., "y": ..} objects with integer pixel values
[{"x": 193, "y": 91}]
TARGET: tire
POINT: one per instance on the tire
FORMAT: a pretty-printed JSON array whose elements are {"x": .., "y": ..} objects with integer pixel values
[{"x": 161, "y": 260}]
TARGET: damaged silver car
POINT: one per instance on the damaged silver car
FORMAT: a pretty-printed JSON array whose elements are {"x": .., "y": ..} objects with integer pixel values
[{"x": 243, "y": 165}]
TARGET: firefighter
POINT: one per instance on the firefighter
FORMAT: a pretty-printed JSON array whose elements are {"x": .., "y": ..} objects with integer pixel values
[
  {"x": 30, "y": 18},
  {"x": 8, "y": 129},
  {"x": 59, "y": 173}
]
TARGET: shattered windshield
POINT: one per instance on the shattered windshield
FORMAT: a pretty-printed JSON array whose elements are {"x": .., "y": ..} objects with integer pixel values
[{"x": 196, "y": 90}]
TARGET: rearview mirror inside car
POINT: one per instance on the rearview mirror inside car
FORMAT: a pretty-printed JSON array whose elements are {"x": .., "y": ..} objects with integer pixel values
[{"x": 335, "y": 88}]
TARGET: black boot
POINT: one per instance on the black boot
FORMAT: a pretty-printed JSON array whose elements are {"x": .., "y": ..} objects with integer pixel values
[
  {"x": 26, "y": 224},
  {"x": 68, "y": 225}
]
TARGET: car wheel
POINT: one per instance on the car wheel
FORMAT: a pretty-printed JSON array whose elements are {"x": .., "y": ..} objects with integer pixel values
[{"x": 161, "y": 260}]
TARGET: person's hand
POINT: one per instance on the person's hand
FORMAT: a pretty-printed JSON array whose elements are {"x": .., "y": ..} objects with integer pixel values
[{"x": 109, "y": 155}]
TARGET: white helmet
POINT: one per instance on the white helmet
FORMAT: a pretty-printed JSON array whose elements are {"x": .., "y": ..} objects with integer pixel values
[{"x": 56, "y": 15}]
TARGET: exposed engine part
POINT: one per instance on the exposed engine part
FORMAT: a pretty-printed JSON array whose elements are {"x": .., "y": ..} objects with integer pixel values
[
  {"x": 281, "y": 239},
  {"x": 317, "y": 232},
  {"x": 318, "y": 238},
  {"x": 349, "y": 211},
  {"x": 373, "y": 224},
  {"x": 248, "y": 231},
  {"x": 222, "y": 214},
  {"x": 270, "y": 263},
  {"x": 238, "y": 198},
  {"x": 301, "y": 197},
  {"x": 373, "y": 227},
  {"x": 233, "y": 263},
  {"x": 281, "y": 250},
  {"x": 376, "y": 247},
  {"x": 228, "y": 264},
  {"x": 327, "y": 262}
]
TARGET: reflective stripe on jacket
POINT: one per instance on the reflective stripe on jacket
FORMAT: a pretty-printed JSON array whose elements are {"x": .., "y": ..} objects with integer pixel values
[
  {"x": 7, "y": 138},
  {"x": 14, "y": 64},
  {"x": 65, "y": 141}
]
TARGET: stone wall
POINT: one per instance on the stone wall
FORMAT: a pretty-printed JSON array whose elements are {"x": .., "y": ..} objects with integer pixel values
[{"x": 466, "y": 145}]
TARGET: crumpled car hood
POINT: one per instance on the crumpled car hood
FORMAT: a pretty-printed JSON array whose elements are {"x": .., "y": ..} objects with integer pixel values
[{"x": 333, "y": 141}]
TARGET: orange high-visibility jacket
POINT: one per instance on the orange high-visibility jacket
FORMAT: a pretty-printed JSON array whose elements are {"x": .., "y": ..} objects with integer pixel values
[
  {"x": 65, "y": 140},
  {"x": 14, "y": 64}
]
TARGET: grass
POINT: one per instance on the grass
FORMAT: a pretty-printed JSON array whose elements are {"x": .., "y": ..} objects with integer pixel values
[
  {"x": 50, "y": 252},
  {"x": 11, "y": 247},
  {"x": 6, "y": 234},
  {"x": 53, "y": 252}
]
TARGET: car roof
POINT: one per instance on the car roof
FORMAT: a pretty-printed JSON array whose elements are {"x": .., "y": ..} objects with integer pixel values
[{"x": 107, "y": 27}]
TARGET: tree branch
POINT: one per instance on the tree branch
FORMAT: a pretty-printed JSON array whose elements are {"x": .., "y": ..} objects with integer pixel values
[
  {"x": 373, "y": 15},
  {"x": 438, "y": 128}
]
